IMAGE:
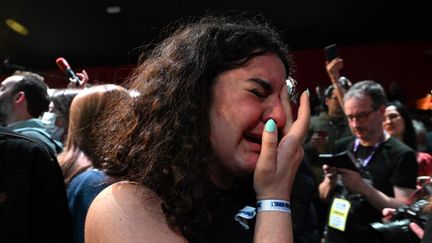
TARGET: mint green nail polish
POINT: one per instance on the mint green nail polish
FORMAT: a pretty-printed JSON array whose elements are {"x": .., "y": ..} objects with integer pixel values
[
  {"x": 307, "y": 91},
  {"x": 270, "y": 126}
]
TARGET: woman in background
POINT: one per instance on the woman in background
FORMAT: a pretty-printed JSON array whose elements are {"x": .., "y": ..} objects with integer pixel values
[
  {"x": 399, "y": 124},
  {"x": 79, "y": 162},
  {"x": 57, "y": 119}
]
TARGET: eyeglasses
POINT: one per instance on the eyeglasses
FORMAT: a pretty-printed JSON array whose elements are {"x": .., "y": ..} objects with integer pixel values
[{"x": 360, "y": 117}]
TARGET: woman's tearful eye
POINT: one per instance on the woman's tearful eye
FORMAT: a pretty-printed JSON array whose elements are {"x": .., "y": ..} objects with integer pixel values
[{"x": 258, "y": 93}]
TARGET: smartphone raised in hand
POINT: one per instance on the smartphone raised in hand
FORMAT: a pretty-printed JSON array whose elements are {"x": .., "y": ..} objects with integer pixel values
[
  {"x": 344, "y": 160},
  {"x": 330, "y": 52}
]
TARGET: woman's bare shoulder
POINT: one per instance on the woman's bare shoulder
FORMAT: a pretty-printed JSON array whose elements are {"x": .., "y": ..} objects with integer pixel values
[{"x": 128, "y": 212}]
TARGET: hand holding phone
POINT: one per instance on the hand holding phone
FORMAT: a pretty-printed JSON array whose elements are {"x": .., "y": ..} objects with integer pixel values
[
  {"x": 331, "y": 52},
  {"x": 344, "y": 160}
]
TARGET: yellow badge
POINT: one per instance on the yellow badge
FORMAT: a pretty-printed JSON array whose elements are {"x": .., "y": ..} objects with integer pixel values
[{"x": 339, "y": 214}]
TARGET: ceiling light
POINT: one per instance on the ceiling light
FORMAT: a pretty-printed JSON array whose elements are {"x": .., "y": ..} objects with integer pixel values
[
  {"x": 113, "y": 9},
  {"x": 17, "y": 27}
]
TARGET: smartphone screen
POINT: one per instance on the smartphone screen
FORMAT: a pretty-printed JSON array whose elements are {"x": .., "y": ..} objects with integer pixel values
[{"x": 330, "y": 52}]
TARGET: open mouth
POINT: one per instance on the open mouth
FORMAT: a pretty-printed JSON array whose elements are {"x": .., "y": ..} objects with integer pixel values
[{"x": 253, "y": 138}]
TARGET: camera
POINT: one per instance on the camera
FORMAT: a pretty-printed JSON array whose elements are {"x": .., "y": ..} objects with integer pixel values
[{"x": 398, "y": 230}]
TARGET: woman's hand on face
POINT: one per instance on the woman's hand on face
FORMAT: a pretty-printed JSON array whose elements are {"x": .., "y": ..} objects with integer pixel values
[{"x": 279, "y": 161}]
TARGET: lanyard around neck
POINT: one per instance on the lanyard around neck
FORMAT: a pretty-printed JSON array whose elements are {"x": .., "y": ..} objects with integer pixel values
[{"x": 365, "y": 162}]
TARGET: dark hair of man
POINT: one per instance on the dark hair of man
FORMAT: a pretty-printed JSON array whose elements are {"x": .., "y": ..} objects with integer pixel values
[
  {"x": 35, "y": 91},
  {"x": 409, "y": 135},
  {"x": 161, "y": 140},
  {"x": 368, "y": 88}
]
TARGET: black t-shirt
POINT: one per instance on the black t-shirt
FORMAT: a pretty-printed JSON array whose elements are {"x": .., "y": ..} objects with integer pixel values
[
  {"x": 392, "y": 164},
  {"x": 226, "y": 204}
]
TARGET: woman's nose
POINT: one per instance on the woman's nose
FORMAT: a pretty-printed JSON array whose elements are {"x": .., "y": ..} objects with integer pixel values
[
  {"x": 277, "y": 113},
  {"x": 387, "y": 120}
]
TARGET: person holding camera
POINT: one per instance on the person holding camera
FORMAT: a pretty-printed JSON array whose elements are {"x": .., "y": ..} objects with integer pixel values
[
  {"x": 409, "y": 223},
  {"x": 387, "y": 169}
]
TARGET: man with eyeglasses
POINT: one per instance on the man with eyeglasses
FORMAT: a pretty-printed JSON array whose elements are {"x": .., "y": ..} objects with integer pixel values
[{"x": 386, "y": 175}]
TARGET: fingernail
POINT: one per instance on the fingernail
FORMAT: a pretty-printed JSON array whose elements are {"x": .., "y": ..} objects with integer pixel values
[
  {"x": 270, "y": 126},
  {"x": 307, "y": 92}
]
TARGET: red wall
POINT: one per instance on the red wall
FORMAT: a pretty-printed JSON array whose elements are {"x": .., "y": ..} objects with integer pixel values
[
  {"x": 409, "y": 64},
  {"x": 57, "y": 79}
]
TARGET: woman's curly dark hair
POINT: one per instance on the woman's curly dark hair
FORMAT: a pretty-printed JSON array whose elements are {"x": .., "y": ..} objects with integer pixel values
[{"x": 161, "y": 139}]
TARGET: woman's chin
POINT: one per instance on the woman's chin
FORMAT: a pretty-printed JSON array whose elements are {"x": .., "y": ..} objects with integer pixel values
[{"x": 390, "y": 131}]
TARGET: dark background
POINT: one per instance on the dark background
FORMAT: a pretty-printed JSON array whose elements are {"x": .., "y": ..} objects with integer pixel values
[{"x": 384, "y": 41}]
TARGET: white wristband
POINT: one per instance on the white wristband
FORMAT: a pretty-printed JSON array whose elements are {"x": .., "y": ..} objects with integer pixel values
[{"x": 274, "y": 205}]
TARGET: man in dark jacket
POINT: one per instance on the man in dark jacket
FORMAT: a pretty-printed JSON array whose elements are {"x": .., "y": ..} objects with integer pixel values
[{"x": 33, "y": 205}]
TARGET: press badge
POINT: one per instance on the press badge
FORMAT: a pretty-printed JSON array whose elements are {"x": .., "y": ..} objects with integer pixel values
[{"x": 339, "y": 214}]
